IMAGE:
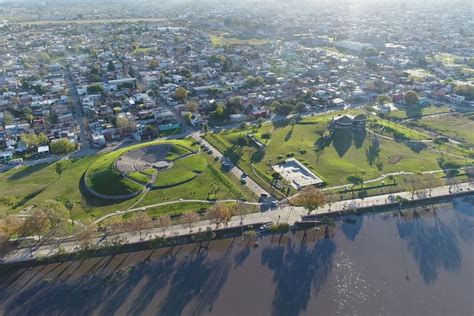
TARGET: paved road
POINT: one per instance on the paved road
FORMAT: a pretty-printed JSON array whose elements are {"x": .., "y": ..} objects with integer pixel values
[
  {"x": 81, "y": 120},
  {"x": 236, "y": 171}
]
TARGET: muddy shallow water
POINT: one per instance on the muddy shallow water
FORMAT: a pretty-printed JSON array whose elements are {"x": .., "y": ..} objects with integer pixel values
[{"x": 420, "y": 264}]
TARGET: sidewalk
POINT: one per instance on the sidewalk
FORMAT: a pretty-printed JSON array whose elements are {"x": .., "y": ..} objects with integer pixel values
[{"x": 288, "y": 214}]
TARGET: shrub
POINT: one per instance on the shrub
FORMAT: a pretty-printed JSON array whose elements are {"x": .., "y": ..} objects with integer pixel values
[{"x": 280, "y": 228}]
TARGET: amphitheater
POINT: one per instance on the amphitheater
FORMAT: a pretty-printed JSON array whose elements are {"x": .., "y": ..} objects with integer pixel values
[{"x": 144, "y": 158}]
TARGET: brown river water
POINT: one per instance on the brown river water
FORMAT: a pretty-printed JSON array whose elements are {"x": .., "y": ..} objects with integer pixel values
[{"x": 373, "y": 264}]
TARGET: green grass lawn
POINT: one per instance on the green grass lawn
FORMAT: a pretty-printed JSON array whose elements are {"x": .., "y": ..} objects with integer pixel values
[
  {"x": 211, "y": 183},
  {"x": 30, "y": 185},
  {"x": 348, "y": 153},
  {"x": 196, "y": 163},
  {"x": 178, "y": 208},
  {"x": 173, "y": 176},
  {"x": 417, "y": 111},
  {"x": 391, "y": 129},
  {"x": 103, "y": 177},
  {"x": 183, "y": 170},
  {"x": 219, "y": 41},
  {"x": 178, "y": 151},
  {"x": 457, "y": 126},
  {"x": 138, "y": 176}
]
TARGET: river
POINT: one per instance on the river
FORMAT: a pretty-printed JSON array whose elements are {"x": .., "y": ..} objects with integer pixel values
[{"x": 384, "y": 263}]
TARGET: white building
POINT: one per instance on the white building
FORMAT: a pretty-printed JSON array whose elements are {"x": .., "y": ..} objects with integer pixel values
[{"x": 354, "y": 46}]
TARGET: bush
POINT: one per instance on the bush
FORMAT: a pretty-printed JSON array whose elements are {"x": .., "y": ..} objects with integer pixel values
[
  {"x": 280, "y": 228},
  {"x": 158, "y": 242},
  {"x": 62, "y": 146},
  {"x": 204, "y": 236}
]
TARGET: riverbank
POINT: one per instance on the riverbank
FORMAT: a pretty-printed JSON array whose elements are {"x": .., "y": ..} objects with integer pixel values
[
  {"x": 286, "y": 213},
  {"x": 369, "y": 265}
]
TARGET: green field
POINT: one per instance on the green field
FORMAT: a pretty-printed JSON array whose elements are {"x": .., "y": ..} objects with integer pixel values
[
  {"x": 222, "y": 41},
  {"x": 172, "y": 177},
  {"x": 345, "y": 153},
  {"x": 390, "y": 129},
  {"x": 103, "y": 177},
  {"x": 406, "y": 112},
  {"x": 26, "y": 186},
  {"x": 456, "y": 126},
  {"x": 140, "y": 177},
  {"x": 211, "y": 183}
]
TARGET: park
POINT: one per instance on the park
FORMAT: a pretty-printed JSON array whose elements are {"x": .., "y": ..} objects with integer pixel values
[
  {"x": 182, "y": 171},
  {"x": 335, "y": 154}
]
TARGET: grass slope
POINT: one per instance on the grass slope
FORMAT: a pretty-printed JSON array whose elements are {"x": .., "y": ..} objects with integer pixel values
[{"x": 346, "y": 154}]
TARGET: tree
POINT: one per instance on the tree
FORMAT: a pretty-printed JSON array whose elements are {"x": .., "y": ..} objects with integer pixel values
[
  {"x": 124, "y": 123},
  {"x": 30, "y": 139},
  {"x": 29, "y": 117},
  {"x": 310, "y": 198},
  {"x": 234, "y": 105},
  {"x": 62, "y": 146},
  {"x": 330, "y": 199},
  {"x": 383, "y": 99},
  {"x": 292, "y": 123},
  {"x": 69, "y": 206},
  {"x": 153, "y": 64},
  {"x": 300, "y": 107},
  {"x": 220, "y": 113},
  {"x": 190, "y": 218},
  {"x": 59, "y": 167},
  {"x": 140, "y": 221},
  {"x": 111, "y": 66},
  {"x": 180, "y": 93},
  {"x": 250, "y": 234},
  {"x": 411, "y": 97},
  {"x": 413, "y": 183},
  {"x": 86, "y": 237},
  {"x": 220, "y": 213},
  {"x": 191, "y": 106},
  {"x": 48, "y": 217},
  {"x": 470, "y": 175},
  {"x": 187, "y": 117},
  {"x": 432, "y": 181},
  {"x": 7, "y": 118},
  {"x": 43, "y": 139},
  {"x": 11, "y": 225},
  {"x": 466, "y": 90},
  {"x": 95, "y": 89},
  {"x": 282, "y": 108},
  {"x": 164, "y": 221}
]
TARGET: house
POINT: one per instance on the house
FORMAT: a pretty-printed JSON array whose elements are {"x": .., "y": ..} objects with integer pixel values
[
  {"x": 43, "y": 150},
  {"x": 6, "y": 156},
  {"x": 424, "y": 102}
]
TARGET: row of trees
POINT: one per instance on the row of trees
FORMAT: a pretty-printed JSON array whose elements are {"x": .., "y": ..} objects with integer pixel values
[{"x": 47, "y": 220}]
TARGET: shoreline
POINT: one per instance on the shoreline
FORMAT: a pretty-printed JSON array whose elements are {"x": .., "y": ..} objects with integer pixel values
[{"x": 181, "y": 234}]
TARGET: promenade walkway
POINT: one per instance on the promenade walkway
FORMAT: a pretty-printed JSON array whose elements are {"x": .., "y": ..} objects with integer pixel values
[{"x": 283, "y": 213}]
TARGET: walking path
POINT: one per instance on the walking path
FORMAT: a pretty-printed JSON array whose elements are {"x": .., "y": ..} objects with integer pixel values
[{"x": 284, "y": 213}]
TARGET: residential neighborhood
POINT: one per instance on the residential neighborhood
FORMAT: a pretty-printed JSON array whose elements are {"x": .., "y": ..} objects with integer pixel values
[{"x": 251, "y": 157}]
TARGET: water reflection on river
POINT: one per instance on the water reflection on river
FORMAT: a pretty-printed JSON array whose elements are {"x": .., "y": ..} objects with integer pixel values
[{"x": 422, "y": 263}]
